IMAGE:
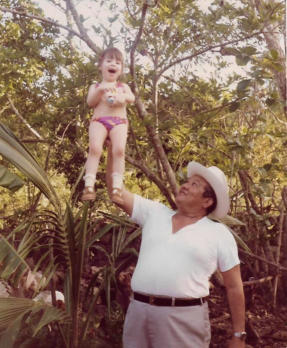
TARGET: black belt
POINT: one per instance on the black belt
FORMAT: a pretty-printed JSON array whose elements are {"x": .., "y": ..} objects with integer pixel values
[{"x": 169, "y": 301}]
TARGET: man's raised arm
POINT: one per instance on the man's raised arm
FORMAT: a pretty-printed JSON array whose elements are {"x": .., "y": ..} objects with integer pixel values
[{"x": 128, "y": 201}]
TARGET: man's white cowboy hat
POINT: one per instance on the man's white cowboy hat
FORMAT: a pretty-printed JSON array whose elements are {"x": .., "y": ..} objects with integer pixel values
[{"x": 217, "y": 180}]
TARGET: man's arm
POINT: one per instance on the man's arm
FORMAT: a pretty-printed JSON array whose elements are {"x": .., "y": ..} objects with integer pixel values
[
  {"x": 235, "y": 294},
  {"x": 128, "y": 202}
]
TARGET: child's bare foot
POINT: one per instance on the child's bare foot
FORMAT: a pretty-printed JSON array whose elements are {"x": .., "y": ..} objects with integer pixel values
[
  {"x": 117, "y": 196},
  {"x": 88, "y": 194}
]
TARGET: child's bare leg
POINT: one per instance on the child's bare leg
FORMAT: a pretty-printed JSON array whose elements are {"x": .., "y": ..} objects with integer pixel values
[
  {"x": 109, "y": 168},
  {"x": 97, "y": 136},
  {"x": 118, "y": 136}
]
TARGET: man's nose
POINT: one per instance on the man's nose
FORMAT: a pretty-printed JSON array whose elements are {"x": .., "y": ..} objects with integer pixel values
[{"x": 184, "y": 185}]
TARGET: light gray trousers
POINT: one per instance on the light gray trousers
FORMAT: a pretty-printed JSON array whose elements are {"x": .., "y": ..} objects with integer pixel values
[{"x": 149, "y": 326}]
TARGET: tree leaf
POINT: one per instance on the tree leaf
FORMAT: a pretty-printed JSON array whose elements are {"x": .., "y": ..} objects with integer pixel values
[
  {"x": 242, "y": 85},
  {"x": 10, "y": 180},
  {"x": 274, "y": 54},
  {"x": 16, "y": 153},
  {"x": 242, "y": 59},
  {"x": 13, "y": 310},
  {"x": 12, "y": 263}
]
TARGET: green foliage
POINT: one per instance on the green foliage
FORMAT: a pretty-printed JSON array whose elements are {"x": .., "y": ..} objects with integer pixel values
[
  {"x": 12, "y": 262},
  {"x": 16, "y": 153},
  {"x": 13, "y": 315},
  {"x": 198, "y": 106},
  {"x": 61, "y": 241},
  {"x": 10, "y": 180}
]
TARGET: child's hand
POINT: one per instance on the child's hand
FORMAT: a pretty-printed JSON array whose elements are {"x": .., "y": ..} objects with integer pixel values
[
  {"x": 119, "y": 99},
  {"x": 114, "y": 100}
]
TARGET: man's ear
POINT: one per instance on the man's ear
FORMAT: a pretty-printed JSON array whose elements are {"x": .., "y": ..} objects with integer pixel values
[{"x": 207, "y": 202}]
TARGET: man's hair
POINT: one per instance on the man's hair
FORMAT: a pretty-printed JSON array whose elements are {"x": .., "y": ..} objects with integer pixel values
[
  {"x": 111, "y": 52},
  {"x": 209, "y": 193}
]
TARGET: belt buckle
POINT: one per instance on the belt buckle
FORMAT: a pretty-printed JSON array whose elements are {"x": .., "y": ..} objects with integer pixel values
[{"x": 151, "y": 299}]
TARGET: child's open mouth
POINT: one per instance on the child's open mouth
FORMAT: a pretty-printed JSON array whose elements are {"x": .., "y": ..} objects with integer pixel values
[{"x": 112, "y": 71}]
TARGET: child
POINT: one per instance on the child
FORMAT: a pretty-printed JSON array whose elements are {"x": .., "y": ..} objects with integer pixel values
[{"x": 109, "y": 99}]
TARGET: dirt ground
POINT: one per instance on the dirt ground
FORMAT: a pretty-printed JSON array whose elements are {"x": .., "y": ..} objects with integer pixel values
[{"x": 266, "y": 326}]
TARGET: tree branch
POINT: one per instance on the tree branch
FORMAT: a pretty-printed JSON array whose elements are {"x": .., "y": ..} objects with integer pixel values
[
  {"x": 279, "y": 267},
  {"x": 85, "y": 38},
  {"x": 257, "y": 281},
  {"x": 31, "y": 129},
  {"x": 243, "y": 176},
  {"x": 133, "y": 49},
  {"x": 142, "y": 112},
  {"x": 150, "y": 175},
  {"x": 81, "y": 28},
  {"x": 204, "y": 50}
]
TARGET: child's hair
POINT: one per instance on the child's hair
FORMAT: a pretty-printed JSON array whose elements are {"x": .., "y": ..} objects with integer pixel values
[{"x": 111, "y": 52}]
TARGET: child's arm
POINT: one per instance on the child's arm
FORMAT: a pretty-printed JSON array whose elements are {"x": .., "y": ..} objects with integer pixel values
[
  {"x": 130, "y": 98},
  {"x": 125, "y": 95},
  {"x": 95, "y": 94}
]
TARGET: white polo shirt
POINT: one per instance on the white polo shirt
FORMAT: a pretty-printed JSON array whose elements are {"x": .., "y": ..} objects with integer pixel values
[{"x": 179, "y": 264}]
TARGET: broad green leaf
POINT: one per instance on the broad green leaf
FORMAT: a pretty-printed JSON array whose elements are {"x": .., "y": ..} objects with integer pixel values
[
  {"x": 12, "y": 311},
  {"x": 231, "y": 51},
  {"x": 10, "y": 180},
  {"x": 274, "y": 54},
  {"x": 232, "y": 221},
  {"x": 12, "y": 263},
  {"x": 16, "y": 153},
  {"x": 242, "y": 85},
  {"x": 249, "y": 50},
  {"x": 242, "y": 59}
]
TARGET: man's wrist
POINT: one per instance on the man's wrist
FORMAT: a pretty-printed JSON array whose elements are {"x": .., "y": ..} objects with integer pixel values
[{"x": 241, "y": 335}]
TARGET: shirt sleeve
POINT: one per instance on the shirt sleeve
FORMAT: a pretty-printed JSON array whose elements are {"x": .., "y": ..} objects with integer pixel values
[
  {"x": 141, "y": 209},
  {"x": 227, "y": 251}
]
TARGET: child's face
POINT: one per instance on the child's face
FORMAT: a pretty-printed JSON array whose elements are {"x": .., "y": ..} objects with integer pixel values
[{"x": 111, "y": 68}]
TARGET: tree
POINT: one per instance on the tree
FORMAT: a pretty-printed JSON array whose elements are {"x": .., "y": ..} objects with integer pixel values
[{"x": 231, "y": 119}]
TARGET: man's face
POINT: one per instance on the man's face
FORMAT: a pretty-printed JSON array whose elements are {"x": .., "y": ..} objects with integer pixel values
[
  {"x": 190, "y": 193},
  {"x": 111, "y": 68}
]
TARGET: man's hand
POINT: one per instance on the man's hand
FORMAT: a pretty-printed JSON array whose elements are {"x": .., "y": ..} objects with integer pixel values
[{"x": 236, "y": 343}]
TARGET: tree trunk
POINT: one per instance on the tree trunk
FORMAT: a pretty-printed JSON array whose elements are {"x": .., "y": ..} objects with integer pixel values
[{"x": 284, "y": 243}]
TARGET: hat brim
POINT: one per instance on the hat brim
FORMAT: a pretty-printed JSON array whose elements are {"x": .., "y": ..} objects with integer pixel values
[{"x": 220, "y": 188}]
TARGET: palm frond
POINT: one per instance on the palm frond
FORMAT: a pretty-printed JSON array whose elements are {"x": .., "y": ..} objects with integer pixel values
[
  {"x": 17, "y": 154},
  {"x": 100, "y": 234},
  {"x": 12, "y": 312},
  {"x": 239, "y": 240},
  {"x": 121, "y": 220},
  {"x": 232, "y": 221},
  {"x": 10, "y": 180},
  {"x": 12, "y": 263}
]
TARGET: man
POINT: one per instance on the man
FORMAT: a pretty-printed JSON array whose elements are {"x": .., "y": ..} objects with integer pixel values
[{"x": 179, "y": 252}]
